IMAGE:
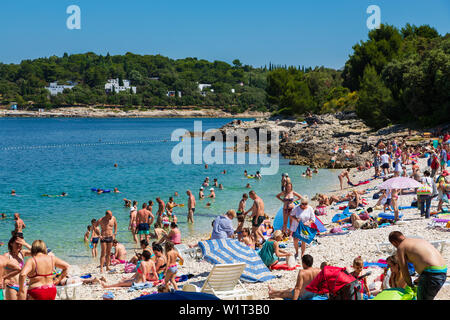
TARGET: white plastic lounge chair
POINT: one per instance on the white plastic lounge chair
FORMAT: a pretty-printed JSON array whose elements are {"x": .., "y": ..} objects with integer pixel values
[
  {"x": 63, "y": 291},
  {"x": 223, "y": 282}
]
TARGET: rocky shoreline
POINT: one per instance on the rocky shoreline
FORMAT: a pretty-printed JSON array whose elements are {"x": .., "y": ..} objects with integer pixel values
[
  {"x": 312, "y": 142},
  {"x": 92, "y": 112}
]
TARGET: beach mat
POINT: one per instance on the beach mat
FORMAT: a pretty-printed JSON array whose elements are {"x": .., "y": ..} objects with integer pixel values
[
  {"x": 228, "y": 251},
  {"x": 284, "y": 267}
]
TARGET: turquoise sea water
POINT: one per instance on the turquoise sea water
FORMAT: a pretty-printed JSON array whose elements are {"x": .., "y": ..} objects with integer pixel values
[{"x": 49, "y": 156}]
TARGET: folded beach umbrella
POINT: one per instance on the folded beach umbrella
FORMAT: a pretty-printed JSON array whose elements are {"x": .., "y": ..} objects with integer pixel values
[
  {"x": 400, "y": 183},
  {"x": 227, "y": 251}
]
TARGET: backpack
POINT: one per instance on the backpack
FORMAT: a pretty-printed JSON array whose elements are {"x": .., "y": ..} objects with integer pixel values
[{"x": 351, "y": 291}]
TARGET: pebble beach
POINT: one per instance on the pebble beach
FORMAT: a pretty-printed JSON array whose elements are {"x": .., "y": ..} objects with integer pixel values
[{"x": 336, "y": 250}]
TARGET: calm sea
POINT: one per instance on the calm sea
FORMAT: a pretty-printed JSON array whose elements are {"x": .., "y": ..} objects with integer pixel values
[{"x": 50, "y": 156}]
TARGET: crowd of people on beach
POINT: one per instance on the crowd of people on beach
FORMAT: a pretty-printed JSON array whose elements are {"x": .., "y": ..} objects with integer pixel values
[{"x": 158, "y": 261}]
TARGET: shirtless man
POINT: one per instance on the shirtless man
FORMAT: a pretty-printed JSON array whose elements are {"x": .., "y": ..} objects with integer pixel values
[
  {"x": 161, "y": 208},
  {"x": 427, "y": 261},
  {"x": 191, "y": 206},
  {"x": 144, "y": 219},
  {"x": 120, "y": 253},
  {"x": 95, "y": 236},
  {"x": 257, "y": 214},
  {"x": 304, "y": 278},
  {"x": 19, "y": 225},
  {"x": 9, "y": 264},
  {"x": 107, "y": 223},
  {"x": 241, "y": 211}
]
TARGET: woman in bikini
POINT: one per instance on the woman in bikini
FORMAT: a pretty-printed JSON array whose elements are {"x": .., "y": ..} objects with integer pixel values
[
  {"x": 39, "y": 270},
  {"x": 288, "y": 200},
  {"x": 342, "y": 175},
  {"x": 17, "y": 256},
  {"x": 172, "y": 267},
  {"x": 145, "y": 270},
  {"x": 159, "y": 259}
]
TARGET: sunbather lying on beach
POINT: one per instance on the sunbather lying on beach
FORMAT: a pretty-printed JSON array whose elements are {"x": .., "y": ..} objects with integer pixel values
[{"x": 145, "y": 270}]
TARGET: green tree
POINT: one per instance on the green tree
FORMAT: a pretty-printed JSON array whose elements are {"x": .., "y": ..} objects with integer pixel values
[{"x": 374, "y": 99}]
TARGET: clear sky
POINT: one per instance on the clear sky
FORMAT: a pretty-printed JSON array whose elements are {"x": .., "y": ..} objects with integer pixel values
[{"x": 292, "y": 32}]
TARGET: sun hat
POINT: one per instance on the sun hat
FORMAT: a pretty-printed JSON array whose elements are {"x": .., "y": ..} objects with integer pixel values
[{"x": 212, "y": 189}]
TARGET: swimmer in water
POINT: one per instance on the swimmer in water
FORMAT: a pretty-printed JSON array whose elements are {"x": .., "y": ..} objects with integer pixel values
[
  {"x": 258, "y": 175},
  {"x": 245, "y": 173},
  {"x": 115, "y": 165},
  {"x": 13, "y": 192},
  {"x": 116, "y": 190},
  {"x": 201, "y": 195},
  {"x": 99, "y": 191},
  {"x": 208, "y": 204},
  {"x": 176, "y": 194},
  {"x": 224, "y": 172},
  {"x": 3, "y": 216},
  {"x": 220, "y": 186},
  {"x": 248, "y": 186}
]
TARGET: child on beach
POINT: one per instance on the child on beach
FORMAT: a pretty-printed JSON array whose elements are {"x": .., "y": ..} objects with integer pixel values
[
  {"x": 86, "y": 235},
  {"x": 248, "y": 238},
  {"x": 171, "y": 267},
  {"x": 358, "y": 265}
]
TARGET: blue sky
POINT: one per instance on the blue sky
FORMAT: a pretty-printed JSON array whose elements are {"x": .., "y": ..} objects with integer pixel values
[{"x": 292, "y": 32}]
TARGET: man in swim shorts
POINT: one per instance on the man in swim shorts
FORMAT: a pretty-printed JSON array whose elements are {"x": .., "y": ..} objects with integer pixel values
[
  {"x": 19, "y": 225},
  {"x": 257, "y": 215},
  {"x": 191, "y": 206},
  {"x": 427, "y": 261},
  {"x": 143, "y": 222},
  {"x": 107, "y": 223}
]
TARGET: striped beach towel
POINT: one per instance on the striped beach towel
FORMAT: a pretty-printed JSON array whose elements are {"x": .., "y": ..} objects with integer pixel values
[{"x": 227, "y": 251}]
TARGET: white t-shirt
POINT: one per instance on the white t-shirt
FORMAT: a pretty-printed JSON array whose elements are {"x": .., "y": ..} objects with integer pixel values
[
  {"x": 384, "y": 158},
  {"x": 304, "y": 216}
]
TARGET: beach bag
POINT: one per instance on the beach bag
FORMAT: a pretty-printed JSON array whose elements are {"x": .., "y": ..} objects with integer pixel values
[
  {"x": 337, "y": 282},
  {"x": 424, "y": 190},
  {"x": 429, "y": 162},
  {"x": 291, "y": 262},
  {"x": 320, "y": 211}
]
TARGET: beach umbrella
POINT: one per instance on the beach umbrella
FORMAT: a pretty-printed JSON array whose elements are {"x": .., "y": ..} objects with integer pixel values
[
  {"x": 229, "y": 251},
  {"x": 179, "y": 295},
  {"x": 400, "y": 183}
]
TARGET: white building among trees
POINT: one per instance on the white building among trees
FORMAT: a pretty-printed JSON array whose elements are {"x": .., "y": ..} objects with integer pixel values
[
  {"x": 56, "y": 88},
  {"x": 114, "y": 86}
]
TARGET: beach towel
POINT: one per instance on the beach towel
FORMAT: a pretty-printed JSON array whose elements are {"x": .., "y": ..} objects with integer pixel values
[
  {"x": 341, "y": 216},
  {"x": 140, "y": 286},
  {"x": 359, "y": 183},
  {"x": 389, "y": 216},
  {"x": 305, "y": 233},
  {"x": 227, "y": 251},
  {"x": 319, "y": 225},
  {"x": 284, "y": 267}
]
